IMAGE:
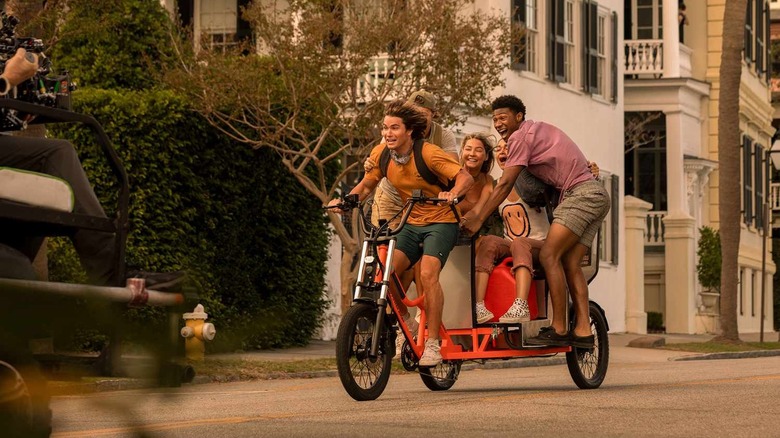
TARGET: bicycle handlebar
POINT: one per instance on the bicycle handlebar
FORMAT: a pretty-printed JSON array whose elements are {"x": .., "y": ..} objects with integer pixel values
[{"x": 350, "y": 202}]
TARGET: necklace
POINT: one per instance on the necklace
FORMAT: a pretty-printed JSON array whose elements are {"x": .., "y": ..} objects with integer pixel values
[{"x": 400, "y": 159}]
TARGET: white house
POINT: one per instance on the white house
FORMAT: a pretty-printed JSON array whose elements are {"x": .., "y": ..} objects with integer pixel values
[{"x": 586, "y": 67}]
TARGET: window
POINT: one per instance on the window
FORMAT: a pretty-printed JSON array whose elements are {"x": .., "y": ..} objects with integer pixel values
[
  {"x": 556, "y": 41},
  {"x": 568, "y": 45},
  {"x": 610, "y": 227},
  {"x": 594, "y": 52},
  {"x": 525, "y": 55},
  {"x": 219, "y": 20},
  {"x": 648, "y": 16},
  {"x": 645, "y": 163},
  {"x": 747, "y": 179},
  {"x": 601, "y": 55},
  {"x": 757, "y": 26}
]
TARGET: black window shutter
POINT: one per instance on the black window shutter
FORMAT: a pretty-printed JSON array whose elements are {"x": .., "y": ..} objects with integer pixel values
[
  {"x": 560, "y": 41},
  {"x": 767, "y": 43},
  {"x": 615, "y": 212},
  {"x": 758, "y": 186},
  {"x": 614, "y": 78},
  {"x": 593, "y": 46},
  {"x": 590, "y": 46},
  {"x": 584, "y": 24},
  {"x": 759, "y": 36},
  {"x": 747, "y": 179},
  {"x": 749, "y": 32},
  {"x": 551, "y": 39}
]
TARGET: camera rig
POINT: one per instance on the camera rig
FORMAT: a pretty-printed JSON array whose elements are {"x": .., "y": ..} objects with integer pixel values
[{"x": 44, "y": 89}]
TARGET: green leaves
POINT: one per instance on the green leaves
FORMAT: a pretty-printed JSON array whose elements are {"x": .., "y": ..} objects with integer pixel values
[
  {"x": 231, "y": 216},
  {"x": 709, "y": 265},
  {"x": 114, "y": 44}
]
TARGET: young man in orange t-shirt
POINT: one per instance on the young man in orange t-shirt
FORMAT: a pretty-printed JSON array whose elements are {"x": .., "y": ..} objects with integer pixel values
[{"x": 434, "y": 226}]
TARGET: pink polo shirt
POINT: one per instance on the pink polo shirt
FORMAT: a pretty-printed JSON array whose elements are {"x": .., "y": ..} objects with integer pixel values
[{"x": 549, "y": 154}]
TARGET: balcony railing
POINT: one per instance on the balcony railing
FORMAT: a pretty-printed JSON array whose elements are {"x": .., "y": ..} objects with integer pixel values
[
  {"x": 379, "y": 71},
  {"x": 655, "y": 228},
  {"x": 644, "y": 57}
]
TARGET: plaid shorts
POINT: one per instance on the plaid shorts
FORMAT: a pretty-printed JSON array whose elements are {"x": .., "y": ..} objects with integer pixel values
[{"x": 583, "y": 208}]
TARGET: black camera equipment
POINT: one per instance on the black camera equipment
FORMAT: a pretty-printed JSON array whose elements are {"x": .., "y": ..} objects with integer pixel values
[{"x": 42, "y": 89}]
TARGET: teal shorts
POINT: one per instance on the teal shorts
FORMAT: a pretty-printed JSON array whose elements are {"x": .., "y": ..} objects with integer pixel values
[{"x": 435, "y": 240}]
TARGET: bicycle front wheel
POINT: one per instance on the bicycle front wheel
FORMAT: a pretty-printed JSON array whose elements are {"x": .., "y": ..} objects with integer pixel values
[{"x": 363, "y": 377}]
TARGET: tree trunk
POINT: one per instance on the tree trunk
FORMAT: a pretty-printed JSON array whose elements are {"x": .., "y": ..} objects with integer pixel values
[
  {"x": 348, "y": 277},
  {"x": 728, "y": 162}
]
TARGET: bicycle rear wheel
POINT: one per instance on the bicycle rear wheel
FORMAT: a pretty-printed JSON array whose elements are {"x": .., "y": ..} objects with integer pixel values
[
  {"x": 588, "y": 367},
  {"x": 363, "y": 377},
  {"x": 442, "y": 376}
]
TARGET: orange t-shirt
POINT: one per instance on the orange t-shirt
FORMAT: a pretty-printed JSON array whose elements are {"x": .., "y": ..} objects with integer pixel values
[{"x": 405, "y": 178}]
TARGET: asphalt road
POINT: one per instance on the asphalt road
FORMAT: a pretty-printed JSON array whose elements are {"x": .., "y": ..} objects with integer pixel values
[{"x": 644, "y": 394}]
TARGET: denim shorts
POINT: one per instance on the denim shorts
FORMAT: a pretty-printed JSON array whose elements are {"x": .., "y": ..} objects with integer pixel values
[
  {"x": 434, "y": 240},
  {"x": 583, "y": 208}
]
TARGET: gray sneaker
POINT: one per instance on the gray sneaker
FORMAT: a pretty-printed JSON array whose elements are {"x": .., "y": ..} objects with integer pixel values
[
  {"x": 483, "y": 314},
  {"x": 432, "y": 355},
  {"x": 518, "y": 312}
]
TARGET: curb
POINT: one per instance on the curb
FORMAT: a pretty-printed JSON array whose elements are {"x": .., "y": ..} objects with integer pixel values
[{"x": 729, "y": 355}]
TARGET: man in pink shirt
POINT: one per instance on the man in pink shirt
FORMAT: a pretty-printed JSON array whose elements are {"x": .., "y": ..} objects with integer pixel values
[{"x": 552, "y": 157}]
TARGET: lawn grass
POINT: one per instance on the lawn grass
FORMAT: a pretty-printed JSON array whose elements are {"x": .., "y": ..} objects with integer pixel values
[
  {"x": 721, "y": 347},
  {"x": 243, "y": 369}
]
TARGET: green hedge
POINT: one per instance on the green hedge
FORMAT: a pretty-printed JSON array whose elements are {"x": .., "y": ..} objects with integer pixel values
[
  {"x": 253, "y": 239},
  {"x": 116, "y": 44}
]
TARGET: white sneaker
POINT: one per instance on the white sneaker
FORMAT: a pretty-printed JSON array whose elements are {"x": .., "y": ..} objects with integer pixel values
[
  {"x": 483, "y": 314},
  {"x": 518, "y": 312},
  {"x": 432, "y": 355}
]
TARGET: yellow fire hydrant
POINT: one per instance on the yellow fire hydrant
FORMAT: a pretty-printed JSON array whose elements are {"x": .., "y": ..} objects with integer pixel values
[{"x": 196, "y": 333}]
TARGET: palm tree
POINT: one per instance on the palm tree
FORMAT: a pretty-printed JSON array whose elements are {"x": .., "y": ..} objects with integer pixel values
[{"x": 728, "y": 161}]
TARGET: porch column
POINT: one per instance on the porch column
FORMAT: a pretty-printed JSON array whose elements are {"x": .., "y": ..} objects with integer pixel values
[
  {"x": 671, "y": 39},
  {"x": 680, "y": 267},
  {"x": 676, "y": 183},
  {"x": 636, "y": 230}
]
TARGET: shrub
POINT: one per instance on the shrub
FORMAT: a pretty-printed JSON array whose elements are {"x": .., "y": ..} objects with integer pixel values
[
  {"x": 113, "y": 44},
  {"x": 655, "y": 322},
  {"x": 709, "y": 264},
  {"x": 254, "y": 239}
]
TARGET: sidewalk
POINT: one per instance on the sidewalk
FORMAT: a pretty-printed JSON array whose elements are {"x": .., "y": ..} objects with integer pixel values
[
  {"x": 618, "y": 347},
  {"x": 619, "y": 353}
]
